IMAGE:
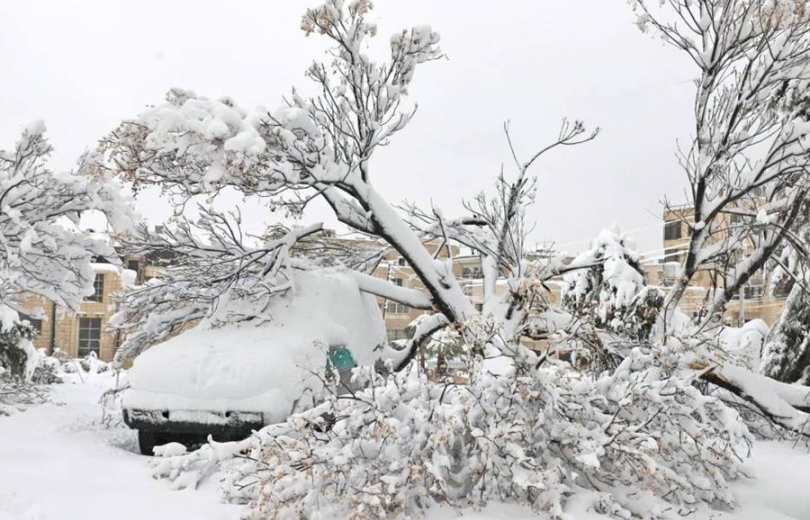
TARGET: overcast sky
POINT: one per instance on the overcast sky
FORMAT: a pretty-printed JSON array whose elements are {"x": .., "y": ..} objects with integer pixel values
[{"x": 84, "y": 65}]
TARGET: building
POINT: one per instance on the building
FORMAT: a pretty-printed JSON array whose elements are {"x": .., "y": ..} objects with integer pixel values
[
  {"x": 467, "y": 270},
  {"x": 81, "y": 333},
  {"x": 395, "y": 268},
  {"x": 757, "y": 300}
]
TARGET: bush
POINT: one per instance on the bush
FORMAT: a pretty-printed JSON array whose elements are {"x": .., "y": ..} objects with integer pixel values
[
  {"x": 48, "y": 371},
  {"x": 17, "y": 355}
]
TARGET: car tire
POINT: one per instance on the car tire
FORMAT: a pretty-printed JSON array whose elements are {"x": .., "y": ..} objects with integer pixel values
[{"x": 147, "y": 442}]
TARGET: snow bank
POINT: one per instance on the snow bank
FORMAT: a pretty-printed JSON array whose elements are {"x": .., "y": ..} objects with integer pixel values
[{"x": 262, "y": 367}]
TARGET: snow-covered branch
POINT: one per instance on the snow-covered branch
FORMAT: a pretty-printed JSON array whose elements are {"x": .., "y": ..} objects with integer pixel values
[
  {"x": 42, "y": 251},
  {"x": 404, "y": 295},
  {"x": 317, "y": 146},
  {"x": 496, "y": 229}
]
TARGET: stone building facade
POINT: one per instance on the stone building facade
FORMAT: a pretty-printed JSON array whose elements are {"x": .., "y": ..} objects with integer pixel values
[
  {"x": 758, "y": 300},
  {"x": 80, "y": 333}
]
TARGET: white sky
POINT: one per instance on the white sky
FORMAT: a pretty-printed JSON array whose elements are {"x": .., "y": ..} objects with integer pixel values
[{"x": 84, "y": 65}]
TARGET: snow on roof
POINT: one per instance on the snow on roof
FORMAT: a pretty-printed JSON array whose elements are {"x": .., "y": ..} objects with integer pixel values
[
  {"x": 260, "y": 368},
  {"x": 99, "y": 267}
]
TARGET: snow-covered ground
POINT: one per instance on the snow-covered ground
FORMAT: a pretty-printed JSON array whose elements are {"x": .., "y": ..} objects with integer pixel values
[{"x": 58, "y": 461}]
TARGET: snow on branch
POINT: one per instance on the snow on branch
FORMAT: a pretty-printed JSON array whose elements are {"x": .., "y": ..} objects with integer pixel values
[
  {"x": 42, "y": 251},
  {"x": 313, "y": 147},
  {"x": 379, "y": 287},
  {"x": 788, "y": 406}
]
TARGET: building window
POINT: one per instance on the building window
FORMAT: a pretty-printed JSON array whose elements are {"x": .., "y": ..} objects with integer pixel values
[
  {"x": 672, "y": 230},
  {"x": 133, "y": 265},
  {"x": 672, "y": 255},
  {"x": 35, "y": 323},
  {"x": 472, "y": 272},
  {"x": 98, "y": 289},
  {"x": 398, "y": 282},
  {"x": 89, "y": 336},
  {"x": 754, "y": 291},
  {"x": 401, "y": 261},
  {"x": 397, "y": 308}
]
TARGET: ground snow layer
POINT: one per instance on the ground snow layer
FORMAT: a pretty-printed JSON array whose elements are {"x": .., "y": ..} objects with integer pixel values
[{"x": 59, "y": 462}]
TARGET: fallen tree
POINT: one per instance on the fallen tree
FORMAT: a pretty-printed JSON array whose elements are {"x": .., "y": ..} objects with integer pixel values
[{"x": 531, "y": 427}]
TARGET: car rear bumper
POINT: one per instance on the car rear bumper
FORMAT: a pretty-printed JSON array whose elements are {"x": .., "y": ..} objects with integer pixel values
[{"x": 220, "y": 425}]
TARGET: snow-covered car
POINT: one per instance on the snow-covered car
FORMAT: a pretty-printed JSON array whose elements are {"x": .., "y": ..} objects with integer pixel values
[{"x": 227, "y": 380}]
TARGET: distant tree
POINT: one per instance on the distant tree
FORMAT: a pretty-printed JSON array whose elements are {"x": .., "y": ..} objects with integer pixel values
[{"x": 43, "y": 251}]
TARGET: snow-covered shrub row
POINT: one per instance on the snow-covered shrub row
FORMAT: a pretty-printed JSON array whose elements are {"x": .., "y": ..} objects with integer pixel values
[{"x": 537, "y": 438}]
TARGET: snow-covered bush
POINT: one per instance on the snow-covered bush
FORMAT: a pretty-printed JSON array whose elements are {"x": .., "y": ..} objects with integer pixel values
[
  {"x": 49, "y": 371},
  {"x": 18, "y": 357},
  {"x": 93, "y": 365},
  {"x": 20, "y": 366}
]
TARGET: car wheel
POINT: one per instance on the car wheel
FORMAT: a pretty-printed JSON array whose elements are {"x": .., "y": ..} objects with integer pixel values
[{"x": 147, "y": 442}]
